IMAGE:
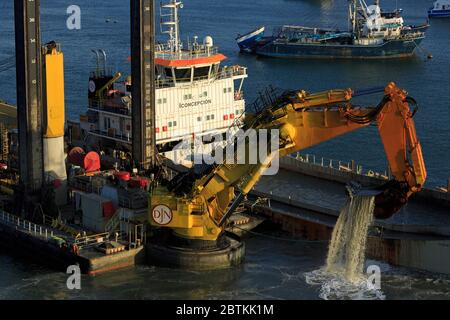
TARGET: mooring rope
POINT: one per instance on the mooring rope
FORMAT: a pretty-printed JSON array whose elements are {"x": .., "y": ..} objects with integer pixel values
[{"x": 428, "y": 53}]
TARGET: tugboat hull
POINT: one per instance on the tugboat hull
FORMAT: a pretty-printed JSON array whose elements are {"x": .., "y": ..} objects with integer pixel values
[{"x": 388, "y": 49}]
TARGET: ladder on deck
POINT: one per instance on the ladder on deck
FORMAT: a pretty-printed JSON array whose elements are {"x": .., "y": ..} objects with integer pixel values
[{"x": 113, "y": 223}]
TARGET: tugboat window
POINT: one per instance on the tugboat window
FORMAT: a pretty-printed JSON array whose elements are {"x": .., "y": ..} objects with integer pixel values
[
  {"x": 201, "y": 72},
  {"x": 168, "y": 72},
  {"x": 183, "y": 75}
]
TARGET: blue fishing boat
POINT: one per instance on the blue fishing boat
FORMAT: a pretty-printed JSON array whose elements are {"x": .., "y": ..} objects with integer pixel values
[
  {"x": 373, "y": 33},
  {"x": 248, "y": 42},
  {"x": 441, "y": 9}
]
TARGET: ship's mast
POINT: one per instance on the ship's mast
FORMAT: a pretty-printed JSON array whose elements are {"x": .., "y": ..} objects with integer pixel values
[
  {"x": 352, "y": 14},
  {"x": 171, "y": 21}
]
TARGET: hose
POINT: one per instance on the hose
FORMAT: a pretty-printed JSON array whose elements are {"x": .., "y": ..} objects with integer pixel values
[
  {"x": 413, "y": 102},
  {"x": 370, "y": 116}
]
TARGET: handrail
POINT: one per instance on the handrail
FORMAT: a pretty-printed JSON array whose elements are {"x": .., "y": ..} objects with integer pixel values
[
  {"x": 26, "y": 225},
  {"x": 83, "y": 242},
  {"x": 33, "y": 228},
  {"x": 340, "y": 165},
  {"x": 201, "y": 52}
]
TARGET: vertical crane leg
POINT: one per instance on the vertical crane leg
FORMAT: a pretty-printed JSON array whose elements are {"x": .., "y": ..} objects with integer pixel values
[
  {"x": 29, "y": 105},
  {"x": 143, "y": 82}
]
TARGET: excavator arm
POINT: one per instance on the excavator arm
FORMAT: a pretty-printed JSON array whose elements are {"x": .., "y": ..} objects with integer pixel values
[{"x": 300, "y": 120}]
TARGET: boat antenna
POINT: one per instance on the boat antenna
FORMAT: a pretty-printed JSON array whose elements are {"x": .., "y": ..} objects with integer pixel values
[{"x": 171, "y": 21}]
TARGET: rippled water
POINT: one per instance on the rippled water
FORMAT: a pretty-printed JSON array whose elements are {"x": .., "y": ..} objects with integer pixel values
[{"x": 272, "y": 270}]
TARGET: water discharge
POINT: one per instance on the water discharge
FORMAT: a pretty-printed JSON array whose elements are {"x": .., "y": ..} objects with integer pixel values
[
  {"x": 343, "y": 275},
  {"x": 348, "y": 243}
]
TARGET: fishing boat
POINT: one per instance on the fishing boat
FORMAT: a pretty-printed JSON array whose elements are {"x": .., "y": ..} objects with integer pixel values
[
  {"x": 373, "y": 33},
  {"x": 441, "y": 9}
]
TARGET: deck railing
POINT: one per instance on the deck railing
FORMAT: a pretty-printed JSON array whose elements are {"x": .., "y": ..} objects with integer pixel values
[
  {"x": 91, "y": 240},
  {"x": 25, "y": 225},
  {"x": 348, "y": 166},
  {"x": 201, "y": 51},
  {"x": 117, "y": 108},
  {"x": 46, "y": 233}
]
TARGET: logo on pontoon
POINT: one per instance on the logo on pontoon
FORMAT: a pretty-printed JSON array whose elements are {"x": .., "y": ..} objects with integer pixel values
[
  {"x": 92, "y": 86},
  {"x": 162, "y": 214}
]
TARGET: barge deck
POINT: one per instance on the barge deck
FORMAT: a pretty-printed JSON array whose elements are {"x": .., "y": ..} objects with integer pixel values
[{"x": 418, "y": 237}]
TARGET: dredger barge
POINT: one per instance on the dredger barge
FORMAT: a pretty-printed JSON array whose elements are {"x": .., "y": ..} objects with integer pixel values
[{"x": 157, "y": 212}]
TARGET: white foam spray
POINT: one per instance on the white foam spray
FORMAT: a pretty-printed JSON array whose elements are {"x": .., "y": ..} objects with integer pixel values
[{"x": 343, "y": 276}]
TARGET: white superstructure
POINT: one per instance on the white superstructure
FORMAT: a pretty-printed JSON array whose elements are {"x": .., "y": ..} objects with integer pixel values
[{"x": 195, "y": 94}]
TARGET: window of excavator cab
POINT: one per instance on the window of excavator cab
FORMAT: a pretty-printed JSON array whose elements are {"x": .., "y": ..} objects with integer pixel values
[
  {"x": 201, "y": 72},
  {"x": 183, "y": 74}
]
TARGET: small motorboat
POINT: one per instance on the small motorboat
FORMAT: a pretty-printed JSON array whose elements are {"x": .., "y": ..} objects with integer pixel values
[
  {"x": 247, "y": 42},
  {"x": 441, "y": 9}
]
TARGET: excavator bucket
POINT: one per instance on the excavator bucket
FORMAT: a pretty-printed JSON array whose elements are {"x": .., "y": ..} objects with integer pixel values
[{"x": 389, "y": 197}]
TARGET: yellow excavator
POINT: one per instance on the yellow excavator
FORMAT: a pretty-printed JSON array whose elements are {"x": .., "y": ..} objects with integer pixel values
[{"x": 190, "y": 212}]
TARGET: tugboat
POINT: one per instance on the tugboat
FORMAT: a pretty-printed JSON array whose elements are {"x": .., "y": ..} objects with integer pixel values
[
  {"x": 195, "y": 97},
  {"x": 373, "y": 34},
  {"x": 441, "y": 9}
]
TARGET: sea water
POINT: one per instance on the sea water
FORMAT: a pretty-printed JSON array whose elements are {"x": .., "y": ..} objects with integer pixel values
[{"x": 343, "y": 275}]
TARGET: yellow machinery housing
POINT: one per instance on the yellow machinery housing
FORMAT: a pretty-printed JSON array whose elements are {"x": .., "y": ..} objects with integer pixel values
[{"x": 302, "y": 120}]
